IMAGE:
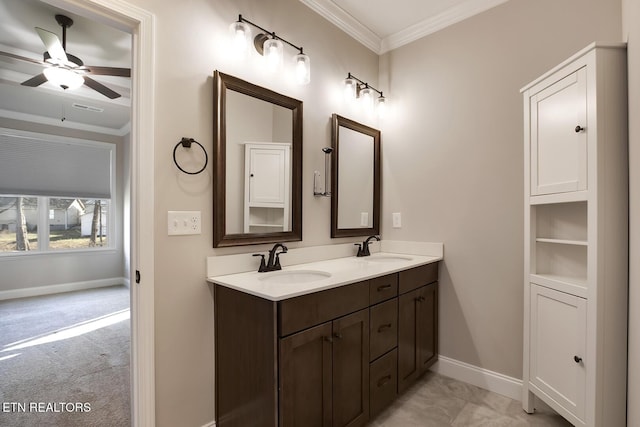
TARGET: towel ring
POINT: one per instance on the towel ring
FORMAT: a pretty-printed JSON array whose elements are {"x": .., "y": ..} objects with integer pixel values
[{"x": 186, "y": 143}]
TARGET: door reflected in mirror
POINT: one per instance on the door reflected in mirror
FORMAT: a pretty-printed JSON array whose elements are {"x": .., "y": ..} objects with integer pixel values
[
  {"x": 355, "y": 204},
  {"x": 257, "y": 192}
]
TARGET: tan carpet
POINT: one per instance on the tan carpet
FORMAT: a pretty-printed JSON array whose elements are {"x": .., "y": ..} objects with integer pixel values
[{"x": 64, "y": 359}]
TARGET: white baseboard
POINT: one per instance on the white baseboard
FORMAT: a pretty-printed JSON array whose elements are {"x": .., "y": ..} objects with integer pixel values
[
  {"x": 483, "y": 378},
  {"x": 57, "y": 289},
  {"x": 211, "y": 424}
]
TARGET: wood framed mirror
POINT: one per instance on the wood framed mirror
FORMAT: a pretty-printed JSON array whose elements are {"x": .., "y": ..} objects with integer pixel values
[
  {"x": 257, "y": 189},
  {"x": 355, "y": 183}
]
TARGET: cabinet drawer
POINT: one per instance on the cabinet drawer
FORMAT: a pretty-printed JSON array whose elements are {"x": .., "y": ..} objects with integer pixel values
[
  {"x": 416, "y": 277},
  {"x": 383, "y": 288},
  {"x": 383, "y": 328},
  {"x": 383, "y": 381},
  {"x": 296, "y": 314}
]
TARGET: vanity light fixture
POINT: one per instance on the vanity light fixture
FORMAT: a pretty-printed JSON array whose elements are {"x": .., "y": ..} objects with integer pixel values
[
  {"x": 356, "y": 88},
  {"x": 271, "y": 46}
]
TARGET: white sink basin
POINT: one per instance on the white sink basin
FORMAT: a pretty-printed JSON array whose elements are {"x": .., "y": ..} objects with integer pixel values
[
  {"x": 388, "y": 258},
  {"x": 294, "y": 276}
]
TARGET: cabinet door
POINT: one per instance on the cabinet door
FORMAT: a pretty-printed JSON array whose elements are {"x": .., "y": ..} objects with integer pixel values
[
  {"x": 268, "y": 174},
  {"x": 351, "y": 370},
  {"x": 427, "y": 327},
  {"x": 417, "y": 333},
  {"x": 557, "y": 347},
  {"x": 305, "y": 378},
  {"x": 558, "y": 146}
]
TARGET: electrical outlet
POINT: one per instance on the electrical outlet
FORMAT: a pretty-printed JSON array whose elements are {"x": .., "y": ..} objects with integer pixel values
[
  {"x": 397, "y": 219},
  {"x": 184, "y": 222}
]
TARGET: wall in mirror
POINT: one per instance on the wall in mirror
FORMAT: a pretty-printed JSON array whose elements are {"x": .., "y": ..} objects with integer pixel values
[
  {"x": 355, "y": 184},
  {"x": 258, "y": 161}
]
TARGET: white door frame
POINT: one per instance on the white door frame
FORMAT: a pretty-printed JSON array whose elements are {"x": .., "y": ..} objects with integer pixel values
[{"x": 140, "y": 23}]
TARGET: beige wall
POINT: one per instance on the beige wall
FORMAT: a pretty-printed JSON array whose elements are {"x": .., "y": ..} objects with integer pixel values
[
  {"x": 453, "y": 159},
  {"x": 631, "y": 34},
  {"x": 190, "y": 44}
]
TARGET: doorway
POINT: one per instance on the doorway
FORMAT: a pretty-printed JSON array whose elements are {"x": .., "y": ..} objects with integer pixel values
[{"x": 139, "y": 23}]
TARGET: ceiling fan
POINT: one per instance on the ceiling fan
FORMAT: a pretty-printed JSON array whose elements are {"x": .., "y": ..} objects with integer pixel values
[{"x": 66, "y": 70}]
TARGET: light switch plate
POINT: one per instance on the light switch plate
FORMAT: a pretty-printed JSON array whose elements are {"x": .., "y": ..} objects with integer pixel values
[
  {"x": 397, "y": 219},
  {"x": 364, "y": 219},
  {"x": 184, "y": 222}
]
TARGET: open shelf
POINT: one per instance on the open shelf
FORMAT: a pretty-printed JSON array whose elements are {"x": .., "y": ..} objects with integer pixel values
[
  {"x": 562, "y": 262},
  {"x": 564, "y": 223},
  {"x": 562, "y": 241}
]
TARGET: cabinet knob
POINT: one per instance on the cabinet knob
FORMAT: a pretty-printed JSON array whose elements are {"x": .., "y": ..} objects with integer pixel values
[
  {"x": 577, "y": 359},
  {"x": 382, "y": 381},
  {"x": 338, "y": 335},
  {"x": 383, "y": 327},
  {"x": 579, "y": 129},
  {"x": 328, "y": 339}
]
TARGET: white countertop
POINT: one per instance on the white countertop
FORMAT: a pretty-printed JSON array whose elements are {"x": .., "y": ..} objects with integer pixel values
[{"x": 343, "y": 272}]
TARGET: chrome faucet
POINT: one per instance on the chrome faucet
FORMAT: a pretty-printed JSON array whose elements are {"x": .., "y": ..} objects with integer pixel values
[
  {"x": 273, "y": 263},
  {"x": 363, "y": 249}
]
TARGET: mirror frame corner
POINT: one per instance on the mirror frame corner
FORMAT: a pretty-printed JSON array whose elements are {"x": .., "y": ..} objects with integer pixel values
[
  {"x": 338, "y": 121},
  {"x": 221, "y": 84}
]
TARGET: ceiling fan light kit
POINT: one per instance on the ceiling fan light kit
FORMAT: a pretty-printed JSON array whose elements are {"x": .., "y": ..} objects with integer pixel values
[
  {"x": 271, "y": 46},
  {"x": 65, "y": 70}
]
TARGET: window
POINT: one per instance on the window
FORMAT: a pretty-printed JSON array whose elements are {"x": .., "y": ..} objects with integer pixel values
[{"x": 66, "y": 205}]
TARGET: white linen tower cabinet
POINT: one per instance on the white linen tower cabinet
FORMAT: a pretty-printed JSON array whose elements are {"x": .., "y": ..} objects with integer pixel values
[{"x": 576, "y": 234}]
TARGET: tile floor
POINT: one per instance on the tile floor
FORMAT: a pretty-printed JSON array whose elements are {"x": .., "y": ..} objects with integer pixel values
[{"x": 438, "y": 401}]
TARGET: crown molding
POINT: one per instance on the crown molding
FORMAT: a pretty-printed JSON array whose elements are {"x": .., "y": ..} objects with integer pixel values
[
  {"x": 438, "y": 22},
  {"x": 347, "y": 23}
]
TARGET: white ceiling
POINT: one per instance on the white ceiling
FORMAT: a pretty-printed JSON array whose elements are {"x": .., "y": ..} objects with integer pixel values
[
  {"x": 384, "y": 25},
  {"x": 94, "y": 43}
]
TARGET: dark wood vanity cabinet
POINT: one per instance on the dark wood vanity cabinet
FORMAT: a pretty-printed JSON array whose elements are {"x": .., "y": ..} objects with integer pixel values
[
  {"x": 333, "y": 358},
  {"x": 324, "y": 374},
  {"x": 417, "y": 324}
]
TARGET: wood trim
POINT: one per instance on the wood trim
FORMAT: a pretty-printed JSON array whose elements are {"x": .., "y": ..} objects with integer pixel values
[
  {"x": 222, "y": 83},
  {"x": 336, "y": 122}
]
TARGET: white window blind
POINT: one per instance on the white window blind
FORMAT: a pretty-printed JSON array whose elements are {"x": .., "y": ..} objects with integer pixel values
[{"x": 40, "y": 165}]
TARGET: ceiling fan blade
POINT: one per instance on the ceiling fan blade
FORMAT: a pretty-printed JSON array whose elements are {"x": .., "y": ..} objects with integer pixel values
[
  {"x": 53, "y": 45},
  {"x": 99, "y": 87},
  {"x": 109, "y": 71},
  {"x": 21, "y": 58},
  {"x": 35, "y": 81}
]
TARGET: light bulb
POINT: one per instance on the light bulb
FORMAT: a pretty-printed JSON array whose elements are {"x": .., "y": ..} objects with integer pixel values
[
  {"x": 350, "y": 89},
  {"x": 273, "y": 53},
  {"x": 381, "y": 106},
  {"x": 366, "y": 95},
  {"x": 240, "y": 36},
  {"x": 63, "y": 77},
  {"x": 302, "y": 69}
]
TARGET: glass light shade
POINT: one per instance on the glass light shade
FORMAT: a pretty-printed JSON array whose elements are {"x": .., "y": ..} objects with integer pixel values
[
  {"x": 350, "y": 88},
  {"x": 381, "y": 106},
  {"x": 63, "y": 77},
  {"x": 273, "y": 53},
  {"x": 366, "y": 95},
  {"x": 303, "y": 68},
  {"x": 240, "y": 36}
]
